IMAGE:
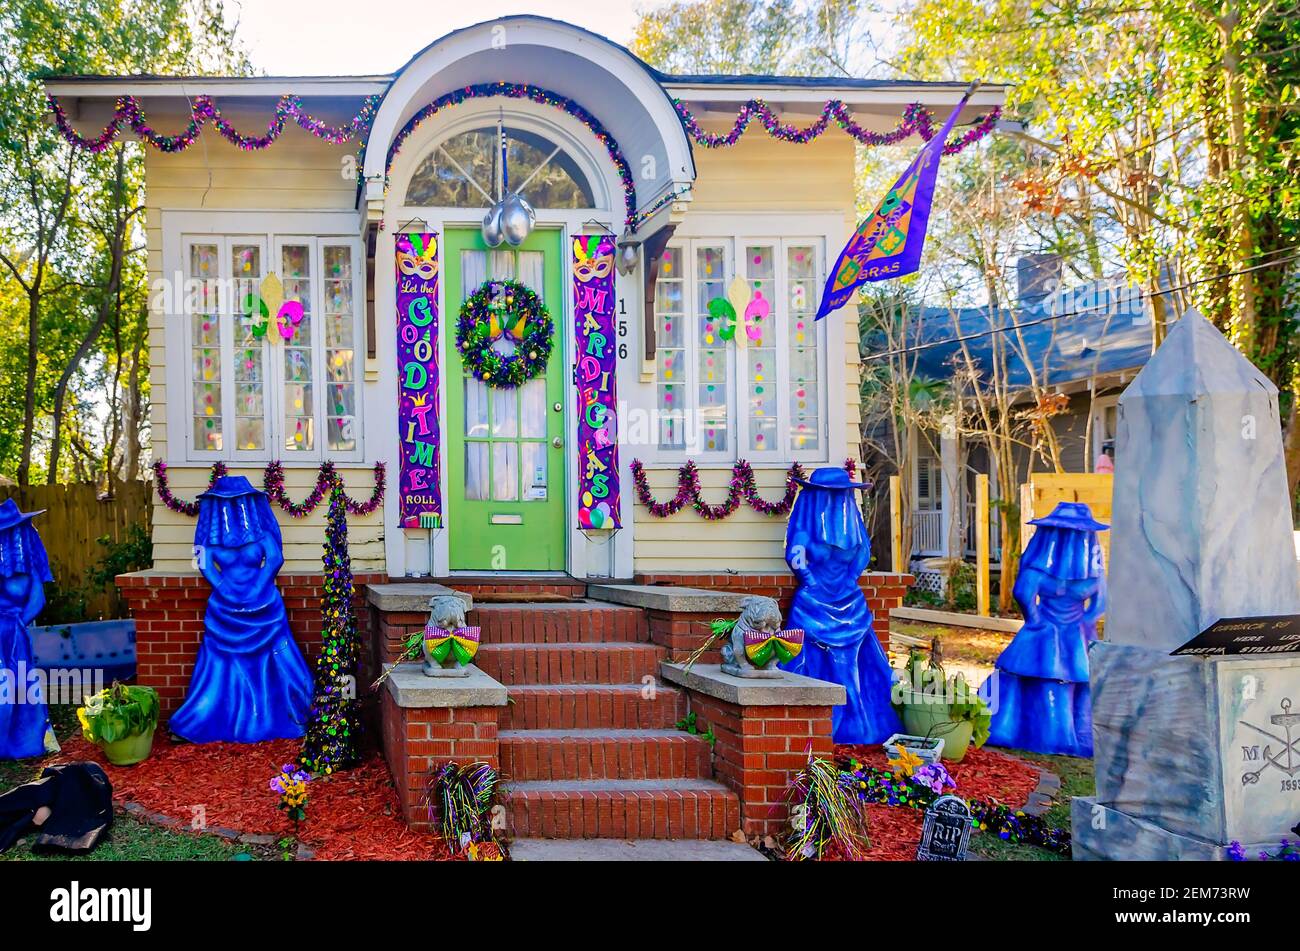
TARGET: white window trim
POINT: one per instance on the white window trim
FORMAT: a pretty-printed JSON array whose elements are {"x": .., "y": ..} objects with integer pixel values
[
  {"x": 271, "y": 230},
  {"x": 733, "y": 240},
  {"x": 1099, "y": 406}
]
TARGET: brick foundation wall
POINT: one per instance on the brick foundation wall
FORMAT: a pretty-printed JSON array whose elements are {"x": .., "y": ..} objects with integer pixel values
[
  {"x": 758, "y": 751},
  {"x": 168, "y": 613},
  {"x": 883, "y": 592},
  {"x": 418, "y": 739}
]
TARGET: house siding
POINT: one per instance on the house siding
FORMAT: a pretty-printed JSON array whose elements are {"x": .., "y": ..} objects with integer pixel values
[
  {"x": 759, "y": 174},
  {"x": 301, "y": 173},
  {"x": 298, "y": 173}
]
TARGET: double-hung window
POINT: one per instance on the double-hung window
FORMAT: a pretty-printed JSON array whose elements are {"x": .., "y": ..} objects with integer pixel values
[
  {"x": 757, "y": 390},
  {"x": 255, "y": 392}
]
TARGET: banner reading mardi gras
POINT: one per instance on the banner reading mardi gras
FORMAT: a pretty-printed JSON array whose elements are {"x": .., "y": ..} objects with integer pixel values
[
  {"x": 594, "y": 375},
  {"x": 419, "y": 492},
  {"x": 888, "y": 243}
]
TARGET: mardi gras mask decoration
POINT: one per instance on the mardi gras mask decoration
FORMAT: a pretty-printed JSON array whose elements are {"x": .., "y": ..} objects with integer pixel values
[
  {"x": 589, "y": 264},
  {"x": 423, "y": 264}
]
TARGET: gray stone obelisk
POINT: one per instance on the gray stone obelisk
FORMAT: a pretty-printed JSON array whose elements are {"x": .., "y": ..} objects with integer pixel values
[{"x": 1193, "y": 753}]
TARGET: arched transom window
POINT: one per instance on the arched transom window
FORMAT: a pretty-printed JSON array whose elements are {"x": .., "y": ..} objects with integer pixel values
[{"x": 462, "y": 172}]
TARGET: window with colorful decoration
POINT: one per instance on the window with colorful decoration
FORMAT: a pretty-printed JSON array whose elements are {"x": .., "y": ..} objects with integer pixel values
[
  {"x": 273, "y": 325},
  {"x": 740, "y": 368}
]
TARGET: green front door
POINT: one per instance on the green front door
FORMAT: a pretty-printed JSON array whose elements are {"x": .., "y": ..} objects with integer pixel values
[{"x": 505, "y": 448}]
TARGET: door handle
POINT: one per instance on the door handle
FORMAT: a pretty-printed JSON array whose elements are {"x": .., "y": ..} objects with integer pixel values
[
  {"x": 558, "y": 442},
  {"x": 558, "y": 407}
]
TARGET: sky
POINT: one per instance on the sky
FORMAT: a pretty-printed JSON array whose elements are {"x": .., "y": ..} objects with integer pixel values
[{"x": 348, "y": 38}]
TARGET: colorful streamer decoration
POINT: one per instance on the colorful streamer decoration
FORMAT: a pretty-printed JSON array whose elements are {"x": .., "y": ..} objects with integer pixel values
[
  {"x": 128, "y": 114},
  {"x": 594, "y": 375},
  {"x": 419, "y": 483},
  {"x": 888, "y": 243}
]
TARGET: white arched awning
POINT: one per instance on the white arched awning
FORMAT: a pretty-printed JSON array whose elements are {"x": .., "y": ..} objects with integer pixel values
[{"x": 615, "y": 88}]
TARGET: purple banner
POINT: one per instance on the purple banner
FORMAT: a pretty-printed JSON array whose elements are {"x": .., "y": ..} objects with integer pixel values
[
  {"x": 888, "y": 243},
  {"x": 419, "y": 493},
  {"x": 594, "y": 375}
]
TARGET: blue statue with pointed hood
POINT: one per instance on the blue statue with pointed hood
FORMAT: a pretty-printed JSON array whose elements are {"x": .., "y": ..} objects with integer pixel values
[
  {"x": 1040, "y": 698},
  {"x": 827, "y": 549},
  {"x": 24, "y": 568},
  {"x": 250, "y": 681}
]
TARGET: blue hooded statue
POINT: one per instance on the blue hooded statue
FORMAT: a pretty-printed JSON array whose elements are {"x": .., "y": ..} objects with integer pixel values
[
  {"x": 24, "y": 568},
  {"x": 1042, "y": 701},
  {"x": 250, "y": 681},
  {"x": 827, "y": 549}
]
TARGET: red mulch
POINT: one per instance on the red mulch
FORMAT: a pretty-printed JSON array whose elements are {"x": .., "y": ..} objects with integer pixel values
[
  {"x": 352, "y": 815},
  {"x": 984, "y": 774}
]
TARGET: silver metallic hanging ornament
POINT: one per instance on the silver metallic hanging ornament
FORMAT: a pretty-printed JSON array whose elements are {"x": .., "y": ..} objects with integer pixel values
[
  {"x": 492, "y": 235},
  {"x": 517, "y": 220}
]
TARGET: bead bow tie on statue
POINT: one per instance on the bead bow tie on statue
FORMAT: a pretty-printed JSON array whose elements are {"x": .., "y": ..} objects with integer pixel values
[
  {"x": 761, "y": 646},
  {"x": 460, "y": 643}
]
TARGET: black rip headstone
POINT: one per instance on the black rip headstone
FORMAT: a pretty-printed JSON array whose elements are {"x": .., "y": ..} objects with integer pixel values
[{"x": 946, "y": 832}]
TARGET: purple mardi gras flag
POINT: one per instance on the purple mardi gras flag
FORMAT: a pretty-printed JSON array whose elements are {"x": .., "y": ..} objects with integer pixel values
[
  {"x": 594, "y": 375},
  {"x": 888, "y": 244},
  {"x": 419, "y": 490}
]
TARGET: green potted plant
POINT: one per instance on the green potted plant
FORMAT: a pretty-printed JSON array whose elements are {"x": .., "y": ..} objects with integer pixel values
[
  {"x": 121, "y": 721},
  {"x": 934, "y": 705}
]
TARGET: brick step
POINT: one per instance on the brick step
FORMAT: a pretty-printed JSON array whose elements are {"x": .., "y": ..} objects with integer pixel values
[
  {"x": 623, "y": 809},
  {"x": 609, "y": 662},
  {"x": 603, "y": 754},
  {"x": 591, "y": 706},
  {"x": 587, "y": 622}
]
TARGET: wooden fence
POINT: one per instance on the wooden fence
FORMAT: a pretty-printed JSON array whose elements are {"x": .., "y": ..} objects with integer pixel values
[
  {"x": 1039, "y": 496},
  {"x": 76, "y": 517}
]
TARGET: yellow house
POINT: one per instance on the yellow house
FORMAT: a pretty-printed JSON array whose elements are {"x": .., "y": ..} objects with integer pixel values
[
  {"x": 603, "y": 153},
  {"x": 535, "y": 285}
]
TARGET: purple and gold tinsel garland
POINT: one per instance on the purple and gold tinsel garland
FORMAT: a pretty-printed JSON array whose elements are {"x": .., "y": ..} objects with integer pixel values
[
  {"x": 916, "y": 120},
  {"x": 128, "y": 113},
  {"x": 742, "y": 489},
  {"x": 273, "y": 484},
  {"x": 165, "y": 491}
]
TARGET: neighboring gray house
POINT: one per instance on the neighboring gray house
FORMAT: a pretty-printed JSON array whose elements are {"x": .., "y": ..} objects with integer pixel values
[{"x": 1088, "y": 343}]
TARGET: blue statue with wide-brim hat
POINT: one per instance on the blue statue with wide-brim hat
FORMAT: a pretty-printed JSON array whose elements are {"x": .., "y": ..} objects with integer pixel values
[
  {"x": 250, "y": 681},
  {"x": 24, "y": 568},
  {"x": 1039, "y": 692},
  {"x": 827, "y": 549}
]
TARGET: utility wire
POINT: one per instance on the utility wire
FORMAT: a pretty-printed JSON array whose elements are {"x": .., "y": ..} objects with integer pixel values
[{"x": 1141, "y": 295}]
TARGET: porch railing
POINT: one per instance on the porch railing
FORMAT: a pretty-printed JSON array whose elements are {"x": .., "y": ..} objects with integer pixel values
[{"x": 927, "y": 531}]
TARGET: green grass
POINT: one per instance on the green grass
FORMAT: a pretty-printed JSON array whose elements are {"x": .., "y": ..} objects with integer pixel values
[
  {"x": 130, "y": 839},
  {"x": 1076, "y": 780}
]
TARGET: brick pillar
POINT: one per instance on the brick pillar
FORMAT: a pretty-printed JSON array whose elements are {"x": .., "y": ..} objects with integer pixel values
[
  {"x": 428, "y": 721},
  {"x": 765, "y": 729}
]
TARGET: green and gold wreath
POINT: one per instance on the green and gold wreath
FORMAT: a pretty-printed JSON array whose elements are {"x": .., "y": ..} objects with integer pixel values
[{"x": 508, "y": 309}]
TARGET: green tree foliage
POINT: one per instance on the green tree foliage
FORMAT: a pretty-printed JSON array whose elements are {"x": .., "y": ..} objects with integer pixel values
[
  {"x": 73, "y": 354},
  {"x": 1174, "y": 123},
  {"x": 774, "y": 37}
]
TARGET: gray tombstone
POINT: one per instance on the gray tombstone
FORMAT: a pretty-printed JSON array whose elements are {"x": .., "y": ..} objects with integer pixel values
[
  {"x": 1193, "y": 753},
  {"x": 946, "y": 831}
]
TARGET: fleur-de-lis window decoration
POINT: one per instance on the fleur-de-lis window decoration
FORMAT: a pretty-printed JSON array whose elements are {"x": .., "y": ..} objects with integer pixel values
[{"x": 267, "y": 300}]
